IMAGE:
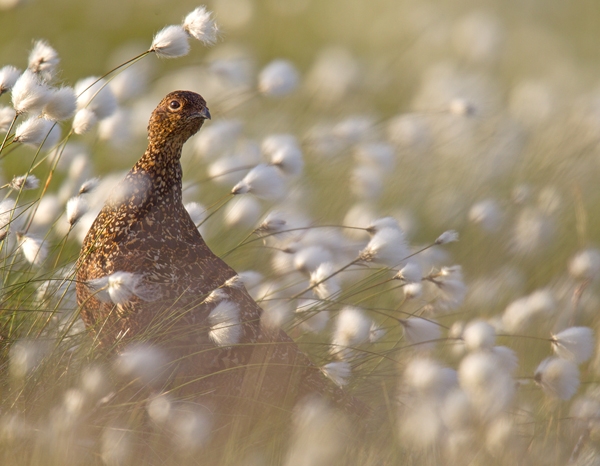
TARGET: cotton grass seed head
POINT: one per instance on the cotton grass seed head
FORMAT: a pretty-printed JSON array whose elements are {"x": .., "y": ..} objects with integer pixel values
[
  {"x": 33, "y": 248},
  {"x": 479, "y": 335},
  {"x": 224, "y": 320},
  {"x": 351, "y": 328},
  {"x": 585, "y": 265},
  {"x": 94, "y": 94},
  {"x": 284, "y": 152},
  {"x": 200, "y": 25},
  {"x": 7, "y": 114},
  {"x": 278, "y": 79},
  {"x": 559, "y": 378},
  {"x": 324, "y": 287},
  {"x": 264, "y": 181},
  {"x": 36, "y": 131},
  {"x": 120, "y": 287},
  {"x": 77, "y": 207},
  {"x": 8, "y": 77},
  {"x": 421, "y": 333},
  {"x": 29, "y": 94},
  {"x": 25, "y": 182},
  {"x": 88, "y": 186},
  {"x": 85, "y": 119},
  {"x": 387, "y": 246},
  {"x": 575, "y": 344},
  {"x": 338, "y": 372},
  {"x": 449, "y": 236},
  {"x": 170, "y": 42},
  {"x": 61, "y": 105},
  {"x": 43, "y": 60}
]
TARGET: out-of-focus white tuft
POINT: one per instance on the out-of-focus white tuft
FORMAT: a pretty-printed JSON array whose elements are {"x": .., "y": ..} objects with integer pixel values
[
  {"x": 421, "y": 333},
  {"x": 575, "y": 344},
  {"x": 450, "y": 289},
  {"x": 284, "y": 152},
  {"x": 523, "y": 313},
  {"x": 34, "y": 249},
  {"x": 144, "y": 362},
  {"x": 7, "y": 115},
  {"x": 201, "y": 26},
  {"x": 351, "y": 329},
  {"x": 338, "y": 371},
  {"x": 387, "y": 246},
  {"x": 224, "y": 320},
  {"x": 448, "y": 236},
  {"x": 279, "y": 78},
  {"x": 311, "y": 316},
  {"x": 585, "y": 265},
  {"x": 35, "y": 131},
  {"x": 25, "y": 182},
  {"x": 8, "y": 77},
  {"x": 263, "y": 181},
  {"x": 426, "y": 377},
  {"x": 325, "y": 288},
  {"x": 85, "y": 119},
  {"x": 120, "y": 287},
  {"x": 479, "y": 335},
  {"x": 218, "y": 138},
  {"x": 61, "y": 105},
  {"x": 558, "y": 378},
  {"x": 43, "y": 60},
  {"x": 410, "y": 273},
  {"x": 170, "y": 42},
  {"x": 94, "y": 94},
  {"x": 77, "y": 207},
  {"x": 487, "y": 214},
  {"x": 242, "y": 211},
  {"x": 29, "y": 94}
]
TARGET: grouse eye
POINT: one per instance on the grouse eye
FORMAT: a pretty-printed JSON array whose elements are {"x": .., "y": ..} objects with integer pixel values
[{"x": 174, "y": 104}]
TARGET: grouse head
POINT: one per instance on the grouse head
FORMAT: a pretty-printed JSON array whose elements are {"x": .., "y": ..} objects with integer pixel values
[{"x": 178, "y": 116}]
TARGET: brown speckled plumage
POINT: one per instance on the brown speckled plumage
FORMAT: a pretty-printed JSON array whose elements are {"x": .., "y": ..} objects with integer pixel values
[{"x": 145, "y": 229}]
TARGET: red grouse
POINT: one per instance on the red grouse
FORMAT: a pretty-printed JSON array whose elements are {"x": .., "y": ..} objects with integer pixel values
[{"x": 174, "y": 292}]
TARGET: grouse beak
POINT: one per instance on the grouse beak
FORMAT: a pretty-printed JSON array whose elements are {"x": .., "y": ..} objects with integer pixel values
[{"x": 204, "y": 114}]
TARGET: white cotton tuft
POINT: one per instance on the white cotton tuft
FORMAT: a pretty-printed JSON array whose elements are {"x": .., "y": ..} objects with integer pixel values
[
  {"x": 142, "y": 361},
  {"x": 43, "y": 59},
  {"x": 8, "y": 77},
  {"x": 312, "y": 318},
  {"x": 279, "y": 78},
  {"x": 387, "y": 246},
  {"x": 379, "y": 224},
  {"x": 200, "y": 25},
  {"x": 450, "y": 287},
  {"x": 218, "y": 138},
  {"x": 84, "y": 121},
  {"x": 366, "y": 182},
  {"x": 379, "y": 155},
  {"x": 352, "y": 327},
  {"x": 263, "y": 181},
  {"x": 120, "y": 287},
  {"x": 25, "y": 182},
  {"x": 575, "y": 344},
  {"x": 34, "y": 249},
  {"x": 170, "y": 42},
  {"x": 7, "y": 115},
  {"x": 242, "y": 211},
  {"x": 308, "y": 259},
  {"x": 490, "y": 388},
  {"x": 324, "y": 287},
  {"x": 448, "y": 236},
  {"x": 36, "y": 131},
  {"x": 61, "y": 105},
  {"x": 479, "y": 335},
  {"x": 94, "y": 94},
  {"x": 338, "y": 371},
  {"x": 224, "y": 320},
  {"x": 558, "y": 378},
  {"x": 522, "y": 313},
  {"x": 284, "y": 152},
  {"x": 77, "y": 207},
  {"x": 410, "y": 273},
  {"x": 487, "y": 214},
  {"x": 427, "y": 377},
  {"x": 29, "y": 94},
  {"x": 421, "y": 333},
  {"x": 88, "y": 186},
  {"x": 412, "y": 290},
  {"x": 585, "y": 265}
]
